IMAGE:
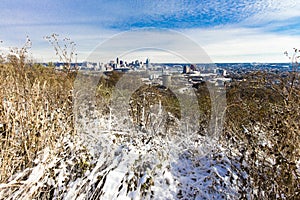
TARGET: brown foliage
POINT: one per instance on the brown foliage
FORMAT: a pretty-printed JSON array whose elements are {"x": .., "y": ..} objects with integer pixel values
[
  {"x": 36, "y": 108},
  {"x": 262, "y": 125}
]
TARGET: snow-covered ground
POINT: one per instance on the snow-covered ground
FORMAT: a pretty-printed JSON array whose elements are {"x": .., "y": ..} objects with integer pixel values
[{"x": 107, "y": 161}]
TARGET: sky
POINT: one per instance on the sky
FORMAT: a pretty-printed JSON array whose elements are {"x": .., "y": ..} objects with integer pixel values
[{"x": 227, "y": 30}]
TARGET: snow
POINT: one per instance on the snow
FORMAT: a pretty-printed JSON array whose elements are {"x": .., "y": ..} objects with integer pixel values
[
  {"x": 133, "y": 164},
  {"x": 114, "y": 177}
]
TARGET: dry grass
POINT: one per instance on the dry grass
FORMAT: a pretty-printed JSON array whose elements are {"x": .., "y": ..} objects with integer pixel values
[
  {"x": 262, "y": 127},
  {"x": 39, "y": 146},
  {"x": 35, "y": 111}
]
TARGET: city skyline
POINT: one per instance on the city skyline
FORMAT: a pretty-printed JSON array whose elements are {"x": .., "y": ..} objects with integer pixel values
[{"x": 229, "y": 31}]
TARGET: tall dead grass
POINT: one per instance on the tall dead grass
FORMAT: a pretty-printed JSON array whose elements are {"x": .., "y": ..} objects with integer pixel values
[
  {"x": 35, "y": 110},
  {"x": 262, "y": 130}
]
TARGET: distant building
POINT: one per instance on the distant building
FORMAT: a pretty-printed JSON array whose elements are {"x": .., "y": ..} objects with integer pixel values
[
  {"x": 186, "y": 70},
  {"x": 148, "y": 64},
  {"x": 221, "y": 72},
  {"x": 193, "y": 68},
  {"x": 166, "y": 80},
  {"x": 122, "y": 69}
]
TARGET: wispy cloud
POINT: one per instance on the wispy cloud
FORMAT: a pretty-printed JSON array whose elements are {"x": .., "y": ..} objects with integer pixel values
[
  {"x": 227, "y": 29},
  {"x": 124, "y": 15},
  {"x": 276, "y": 10},
  {"x": 188, "y": 14},
  {"x": 243, "y": 44}
]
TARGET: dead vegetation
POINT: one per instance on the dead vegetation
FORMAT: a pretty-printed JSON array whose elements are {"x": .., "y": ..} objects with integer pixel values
[
  {"x": 263, "y": 131},
  {"x": 39, "y": 145},
  {"x": 36, "y": 109}
]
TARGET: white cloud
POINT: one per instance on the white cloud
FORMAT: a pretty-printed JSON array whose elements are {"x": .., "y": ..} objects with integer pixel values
[
  {"x": 223, "y": 44},
  {"x": 86, "y": 38},
  {"x": 150, "y": 41},
  {"x": 243, "y": 45},
  {"x": 273, "y": 12},
  {"x": 227, "y": 43}
]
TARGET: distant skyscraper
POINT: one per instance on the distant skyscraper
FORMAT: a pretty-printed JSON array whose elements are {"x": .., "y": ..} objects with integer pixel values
[
  {"x": 117, "y": 63},
  {"x": 148, "y": 64}
]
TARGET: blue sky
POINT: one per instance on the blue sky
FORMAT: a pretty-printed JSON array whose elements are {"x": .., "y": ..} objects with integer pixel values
[{"x": 228, "y": 30}]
